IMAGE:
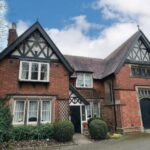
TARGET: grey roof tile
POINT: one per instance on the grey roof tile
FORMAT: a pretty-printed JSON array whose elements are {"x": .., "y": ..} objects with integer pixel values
[{"x": 101, "y": 68}]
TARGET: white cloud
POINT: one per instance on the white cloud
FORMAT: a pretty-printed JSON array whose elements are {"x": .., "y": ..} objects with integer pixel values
[
  {"x": 22, "y": 26},
  {"x": 73, "y": 38}
]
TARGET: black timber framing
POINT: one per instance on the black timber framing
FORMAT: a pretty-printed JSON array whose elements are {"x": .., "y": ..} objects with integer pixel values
[
  {"x": 34, "y": 27},
  {"x": 74, "y": 91}
]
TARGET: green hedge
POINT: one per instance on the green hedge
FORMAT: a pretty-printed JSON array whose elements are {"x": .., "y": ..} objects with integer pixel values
[
  {"x": 98, "y": 129},
  {"x": 5, "y": 121},
  {"x": 63, "y": 131},
  {"x": 32, "y": 132}
]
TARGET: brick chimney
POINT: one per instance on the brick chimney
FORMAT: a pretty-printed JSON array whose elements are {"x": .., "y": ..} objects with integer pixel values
[{"x": 12, "y": 34}]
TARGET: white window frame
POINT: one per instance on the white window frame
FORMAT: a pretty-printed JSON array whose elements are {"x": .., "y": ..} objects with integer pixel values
[
  {"x": 42, "y": 111},
  {"x": 92, "y": 110},
  {"x": 35, "y": 122},
  {"x": 14, "y": 110},
  {"x": 30, "y": 70},
  {"x": 78, "y": 86}
]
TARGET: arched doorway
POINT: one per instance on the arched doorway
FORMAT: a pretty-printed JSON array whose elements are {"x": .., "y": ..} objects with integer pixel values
[{"x": 145, "y": 112}]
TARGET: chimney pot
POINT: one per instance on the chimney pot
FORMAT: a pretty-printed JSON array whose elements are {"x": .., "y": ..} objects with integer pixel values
[{"x": 14, "y": 26}]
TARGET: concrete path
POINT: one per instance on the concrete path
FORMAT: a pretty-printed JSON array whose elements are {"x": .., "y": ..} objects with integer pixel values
[
  {"x": 128, "y": 142},
  {"x": 80, "y": 139}
]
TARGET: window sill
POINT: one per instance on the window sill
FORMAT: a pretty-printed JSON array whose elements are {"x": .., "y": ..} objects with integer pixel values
[
  {"x": 140, "y": 77},
  {"x": 79, "y": 87},
  {"x": 17, "y": 124},
  {"x": 33, "y": 81}
]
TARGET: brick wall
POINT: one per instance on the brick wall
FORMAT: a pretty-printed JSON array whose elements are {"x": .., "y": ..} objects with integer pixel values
[
  {"x": 126, "y": 95},
  {"x": 58, "y": 85}
]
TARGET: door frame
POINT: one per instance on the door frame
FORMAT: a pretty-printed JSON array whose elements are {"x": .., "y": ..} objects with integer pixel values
[
  {"x": 80, "y": 116},
  {"x": 138, "y": 101},
  {"x": 79, "y": 105}
]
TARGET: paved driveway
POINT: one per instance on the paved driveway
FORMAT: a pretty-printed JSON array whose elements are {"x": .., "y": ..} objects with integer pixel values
[{"x": 128, "y": 142}]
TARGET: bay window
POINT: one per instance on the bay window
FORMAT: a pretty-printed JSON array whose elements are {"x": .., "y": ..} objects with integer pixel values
[
  {"x": 34, "y": 71},
  {"x": 19, "y": 112},
  {"x": 32, "y": 111},
  {"x": 46, "y": 111},
  {"x": 84, "y": 80}
]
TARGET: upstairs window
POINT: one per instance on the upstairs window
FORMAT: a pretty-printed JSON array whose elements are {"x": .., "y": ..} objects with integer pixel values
[
  {"x": 142, "y": 72},
  {"x": 84, "y": 80},
  {"x": 34, "y": 71},
  {"x": 109, "y": 91}
]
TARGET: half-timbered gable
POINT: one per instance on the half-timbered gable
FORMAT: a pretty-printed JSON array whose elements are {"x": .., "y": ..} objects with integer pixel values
[
  {"x": 36, "y": 47},
  {"x": 140, "y": 52},
  {"x": 35, "y": 44}
]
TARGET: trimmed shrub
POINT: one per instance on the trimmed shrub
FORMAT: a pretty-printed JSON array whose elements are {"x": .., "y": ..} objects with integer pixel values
[
  {"x": 93, "y": 118},
  {"x": 32, "y": 132},
  {"x": 63, "y": 131},
  {"x": 5, "y": 121},
  {"x": 98, "y": 129}
]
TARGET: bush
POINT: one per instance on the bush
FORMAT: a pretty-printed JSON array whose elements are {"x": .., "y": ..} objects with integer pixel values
[
  {"x": 93, "y": 118},
  {"x": 63, "y": 131},
  {"x": 5, "y": 121},
  {"x": 98, "y": 129},
  {"x": 32, "y": 132}
]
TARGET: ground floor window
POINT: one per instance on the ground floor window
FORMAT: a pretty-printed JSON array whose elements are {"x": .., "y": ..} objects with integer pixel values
[
  {"x": 19, "y": 112},
  {"x": 93, "y": 110},
  {"x": 32, "y": 111}
]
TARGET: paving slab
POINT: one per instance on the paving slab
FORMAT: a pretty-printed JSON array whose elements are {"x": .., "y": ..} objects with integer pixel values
[{"x": 80, "y": 139}]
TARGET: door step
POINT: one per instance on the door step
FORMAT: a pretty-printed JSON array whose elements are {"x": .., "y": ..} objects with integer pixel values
[{"x": 147, "y": 130}]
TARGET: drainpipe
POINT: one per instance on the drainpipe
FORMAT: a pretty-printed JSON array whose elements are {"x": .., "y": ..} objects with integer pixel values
[{"x": 114, "y": 104}]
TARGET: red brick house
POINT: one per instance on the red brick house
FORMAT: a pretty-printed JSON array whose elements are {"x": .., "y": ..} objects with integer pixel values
[{"x": 45, "y": 86}]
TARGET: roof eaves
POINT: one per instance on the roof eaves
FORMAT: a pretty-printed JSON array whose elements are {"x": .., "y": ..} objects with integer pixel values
[
  {"x": 35, "y": 26},
  {"x": 74, "y": 90}
]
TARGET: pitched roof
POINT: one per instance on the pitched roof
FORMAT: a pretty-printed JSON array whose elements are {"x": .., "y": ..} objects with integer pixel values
[
  {"x": 115, "y": 60},
  {"x": 102, "y": 68},
  {"x": 93, "y": 65},
  {"x": 34, "y": 27}
]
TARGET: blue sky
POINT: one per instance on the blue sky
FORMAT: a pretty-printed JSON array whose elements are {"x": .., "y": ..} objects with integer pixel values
[
  {"x": 52, "y": 13},
  {"x": 92, "y": 28}
]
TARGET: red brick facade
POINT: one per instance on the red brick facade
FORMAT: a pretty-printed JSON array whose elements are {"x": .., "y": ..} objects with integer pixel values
[
  {"x": 58, "y": 82},
  {"x": 124, "y": 113},
  {"x": 127, "y": 102}
]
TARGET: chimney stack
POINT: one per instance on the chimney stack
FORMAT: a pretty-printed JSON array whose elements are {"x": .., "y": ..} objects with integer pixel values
[{"x": 12, "y": 34}]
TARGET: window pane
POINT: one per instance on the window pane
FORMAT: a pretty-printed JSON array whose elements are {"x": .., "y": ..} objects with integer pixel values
[
  {"x": 33, "y": 110},
  {"x": 19, "y": 111},
  {"x": 80, "y": 80},
  {"x": 95, "y": 110},
  {"x": 46, "y": 108},
  {"x": 89, "y": 111},
  {"x": 83, "y": 113},
  {"x": 25, "y": 70},
  {"x": 88, "y": 80},
  {"x": 34, "y": 71},
  {"x": 44, "y": 71}
]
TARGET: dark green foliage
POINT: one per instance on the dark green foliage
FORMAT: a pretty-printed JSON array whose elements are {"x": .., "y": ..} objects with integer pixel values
[
  {"x": 63, "y": 131},
  {"x": 5, "y": 121},
  {"x": 98, "y": 129},
  {"x": 32, "y": 132},
  {"x": 93, "y": 118}
]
